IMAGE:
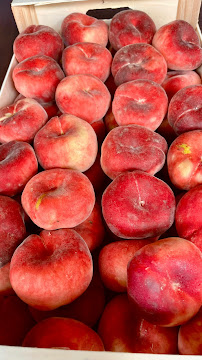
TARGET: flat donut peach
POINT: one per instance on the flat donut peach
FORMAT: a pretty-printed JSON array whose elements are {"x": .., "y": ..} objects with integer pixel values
[
  {"x": 131, "y": 27},
  {"x": 84, "y": 96},
  {"x": 58, "y": 198},
  {"x": 51, "y": 269},
  {"x": 87, "y": 58},
  {"x": 137, "y": 205},
  {"x": 132, "y": 147},
  {"x": 179, "y": 43},
  {"x": 138, "y": 61},
  {"x": 37, "y": 77},
  {"x": 140, "y": 102}
]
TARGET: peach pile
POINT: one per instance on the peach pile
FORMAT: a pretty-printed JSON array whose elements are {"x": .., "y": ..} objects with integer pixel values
[{"x": 101, "y": 188}]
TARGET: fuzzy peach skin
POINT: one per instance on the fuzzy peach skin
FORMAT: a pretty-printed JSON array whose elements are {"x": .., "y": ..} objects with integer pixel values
[
  {"x": 184, "y": 160},
  {"x": 185, "y": 109},
  {"x": 18, "y": 163},
  {"x": 165, "y": 281},
  {"x": 87, "y": 308},
  {"x": 63, "y": 333},
  {"x": 123, "y": 330},
  {"x": 87, "y": 58},
  {"x": 21, "y": 120},
  {"x": 176, "y": 80},
  {"x": 179, "y": 43},
  {"x": 138, "y": 61},
  {"x": 131, "y": 27},
  {"x": 66, "y": 142},
  {"x": 132, "y": 147},
  {"x": 96, "y": 176},
  {"x": 141, "y": 102},
  {"x": 137, "y": 205},
  {"x": 58, "y": 198},
  {"x": 92, "y": 230},
  {"x": 51, "y": 269},
  {"x": 188, "y": 217},
  {"x": 113, "y": 261},
  {"x": 37, "y": 77},
  {"x": 15, "y": 321},
  {"x": 190, "y": 336},
  {"x": 78, "y": 27},
  {"x": 84, "y": 96},
  {"x": 38, "y": 40},
  {"x": 12, "y": 233}
]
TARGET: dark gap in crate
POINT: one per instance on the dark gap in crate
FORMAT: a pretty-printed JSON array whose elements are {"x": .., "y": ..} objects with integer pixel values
[{"x": 107, "y": 13}]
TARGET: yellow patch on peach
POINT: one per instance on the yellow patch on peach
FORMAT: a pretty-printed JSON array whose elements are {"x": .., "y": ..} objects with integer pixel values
[
  {"x": 6, "y": 116},
  {"x": 185, "y": 148},
  {"x": 38, "y": 203}
]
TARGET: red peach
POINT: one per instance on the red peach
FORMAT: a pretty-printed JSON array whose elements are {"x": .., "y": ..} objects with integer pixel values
[
  {"x": 109, "y": 119},
  {"x": 38, "y": 40},
  {"x": 166, "y": 131},
  {"x": 63, "y": 333},
  {"x": 141, "y": 102},
  {"x": 138, "y": 61},
  {"x": 113, "y": 261},
  {"x": 87, "y": 58},
  {"x": 110, "y": 84},
  {"x": 184, "y": 160},
  {"x": 100, "y": 130},
  {"x": 190, "y": 336},
  {"x": 176, "y": 80},
  {"x": 15, "y": 321},
  {"x": 21, "y": 120},
  {"x": 96, "y": 175},
  {"x": 92, "y": 229},
  {"x": 84, "y": 96},
  {"x": 78, "y": 27},
  {"x": 179, "y": 43},
  {"x": 184, "y": 111},
  {"x": 66, "y": 142},
  {"x": 58, "y": 198},
  {"x": 188, "y": 217},
  {"x": 137, "y": 205},
  {"x": 131, "y": 27},
  {"x": 37, "y": 77},
  {"x": 123, "y": 330},
  {"x": 51, "y": 269},
  {"x": 18, "y": 164},
  {"x": 165, "y": 281},
  {"x": 132, "y": 147}
]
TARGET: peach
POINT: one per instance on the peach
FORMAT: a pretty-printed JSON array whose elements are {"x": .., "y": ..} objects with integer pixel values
[
  {"x": 37, "y": 77},
  {"x": 87, "y": 308},
  {"x": 132, "y": 147},
  {"x": 113, "y": 261},
  {"x": 184, "y": 160},
  {"x": 176, "y": 80},
  {"x": 15, "y": 321},
  {"x": 165, "y": 281},
  {"x": 51, "y": 269},
  {"x": 21, "y": 120},
  {"x": 109, "y": 120},
  {"x": 87, "y": 58},
  {"x": 63, "y": 333},
  {"x": 188, "y": 217},
  {"x": 58, "y": 198},
  {"x": 141, "y": 102},
  {"x": 12, "y": 233},
  {"x": 66, "y": 142},
  {"x": 184, "y": 111},
  {"x": 110, "y": 84},
  {"x": 137, "y": 205},
  {"x": 122, "y": 330},
  {"x": 138, "y": 61},
  {"x": 190, "y": 338},
  {"x": 18, "y": 164},
  {"x": 100, "y": 130},
  {"x": 92, "y": 229},
  {"x": 84, "y": 96},
  {"x": 166, "y": 131},
  {"x": 38, "y": 40},
  {"x": 179, "y": 43},
  {"x": 96, "y": 175},
  {"x": 78, "y": 27},
  {"x": 131, "y": 27}
]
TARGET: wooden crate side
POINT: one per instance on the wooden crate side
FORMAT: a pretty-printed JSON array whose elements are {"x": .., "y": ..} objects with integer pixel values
[
  {"x": 24, "y": 16},
  {"x": 189, "y": 10}
]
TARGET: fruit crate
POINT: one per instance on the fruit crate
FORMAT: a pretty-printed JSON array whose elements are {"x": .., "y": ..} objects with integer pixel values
[{"x": 51, "y": 13}]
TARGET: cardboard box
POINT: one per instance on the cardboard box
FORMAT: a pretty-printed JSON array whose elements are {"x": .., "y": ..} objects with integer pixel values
[{"x": 52, "y": 13}]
